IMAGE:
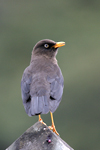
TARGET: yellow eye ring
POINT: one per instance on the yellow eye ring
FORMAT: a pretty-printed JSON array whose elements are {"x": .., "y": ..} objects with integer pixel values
[{"x": 46, "y": 45}]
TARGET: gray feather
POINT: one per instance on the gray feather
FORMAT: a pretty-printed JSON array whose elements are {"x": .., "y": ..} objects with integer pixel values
[
  {"x": 56, "y": 91},
  {"x": 39, "y": 105},
  {"x": 41, "y": 89},
  {"x": 46, "y": 104}
]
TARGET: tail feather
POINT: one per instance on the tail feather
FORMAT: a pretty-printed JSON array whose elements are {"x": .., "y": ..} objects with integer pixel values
[
  {"x": 39, "y": 105},
  {"x": 45, "y": 102},
  {"x": 34, "y": 106}
]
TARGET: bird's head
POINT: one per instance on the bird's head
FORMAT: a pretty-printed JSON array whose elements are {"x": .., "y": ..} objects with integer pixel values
[{"x": 47, "y": 48}]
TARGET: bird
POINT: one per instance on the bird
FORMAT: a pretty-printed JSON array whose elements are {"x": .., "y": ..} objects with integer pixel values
[{"x": 42, "y": 82}]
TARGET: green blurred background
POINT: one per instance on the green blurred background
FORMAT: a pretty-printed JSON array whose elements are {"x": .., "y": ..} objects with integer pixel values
[{"x": 77, "y": 22}]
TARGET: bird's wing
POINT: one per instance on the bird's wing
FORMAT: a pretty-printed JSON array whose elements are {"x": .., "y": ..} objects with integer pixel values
[
  {"x": 35, "y": 100},
  {"x": 56, "y": 91},
  {"x": 25, "y": 86}
]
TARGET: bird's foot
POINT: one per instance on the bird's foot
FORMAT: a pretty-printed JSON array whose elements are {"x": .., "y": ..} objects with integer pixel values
[
  {"x": 54, "y": 129},
  {"x": 40, "y": 120}
]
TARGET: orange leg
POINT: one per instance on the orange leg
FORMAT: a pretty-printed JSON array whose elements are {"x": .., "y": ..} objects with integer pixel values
[
  {"x": 40, "y": 119},
  {"x": 52, "y": 127}
]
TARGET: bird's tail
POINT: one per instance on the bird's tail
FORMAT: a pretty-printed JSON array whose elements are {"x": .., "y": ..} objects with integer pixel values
[{"x": 39, "y": 105}]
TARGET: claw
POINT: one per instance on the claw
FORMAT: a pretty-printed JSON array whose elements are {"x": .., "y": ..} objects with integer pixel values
[
  {"x": 54, "y": 129},
  {"x": 40, "y": 119}
]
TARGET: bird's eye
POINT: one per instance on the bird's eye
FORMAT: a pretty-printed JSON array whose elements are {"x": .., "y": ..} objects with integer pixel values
[{"x": 46, "y": 45}]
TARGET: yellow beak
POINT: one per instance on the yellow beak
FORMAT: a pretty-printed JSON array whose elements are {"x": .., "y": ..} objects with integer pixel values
[{"x": 59, "y": 44}]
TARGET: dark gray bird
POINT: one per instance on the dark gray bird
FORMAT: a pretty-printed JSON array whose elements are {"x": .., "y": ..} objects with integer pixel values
[{"x": 42, "y": 81}]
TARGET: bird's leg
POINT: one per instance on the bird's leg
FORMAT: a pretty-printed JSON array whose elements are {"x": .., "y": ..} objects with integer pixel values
[
  {"x": 40, "y": 119},
  {"x": 52, "y": 127}
]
